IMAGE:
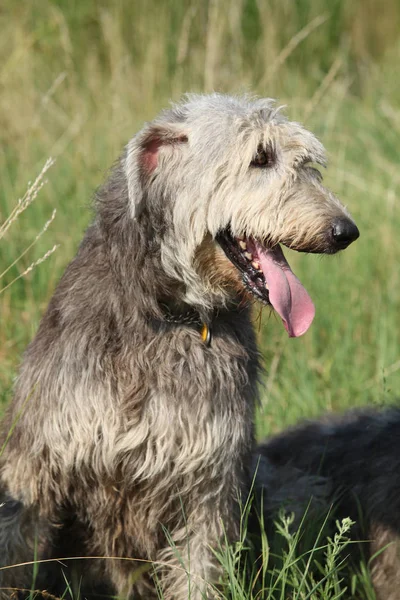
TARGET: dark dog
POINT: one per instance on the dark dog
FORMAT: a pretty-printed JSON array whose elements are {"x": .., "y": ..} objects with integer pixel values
[{"x": 348, "y": 467}]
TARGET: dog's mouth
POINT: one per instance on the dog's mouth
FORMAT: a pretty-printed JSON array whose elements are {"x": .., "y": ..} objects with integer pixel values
[{"x": 267, "y": 275}]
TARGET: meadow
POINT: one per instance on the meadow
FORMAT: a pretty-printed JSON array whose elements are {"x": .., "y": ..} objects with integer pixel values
[{"x": 77, "y": 80}]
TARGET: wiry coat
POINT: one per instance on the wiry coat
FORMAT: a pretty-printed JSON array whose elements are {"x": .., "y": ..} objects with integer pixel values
[
  {"x": 129, "y": 433},
  {"x": 125, "y": 420}
]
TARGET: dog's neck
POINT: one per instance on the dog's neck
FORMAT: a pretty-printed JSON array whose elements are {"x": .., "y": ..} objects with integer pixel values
[{"x": 191, "y": 317}]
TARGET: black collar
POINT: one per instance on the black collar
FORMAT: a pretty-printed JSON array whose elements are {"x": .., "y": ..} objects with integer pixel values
[{"x": 192, "y": 318}]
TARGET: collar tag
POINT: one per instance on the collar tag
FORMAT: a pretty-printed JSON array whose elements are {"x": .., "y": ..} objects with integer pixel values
[{"x": 206, "y": 334}]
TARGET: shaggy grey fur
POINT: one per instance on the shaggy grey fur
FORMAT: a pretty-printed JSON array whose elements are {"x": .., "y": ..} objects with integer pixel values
[
  {"x": 348, "y": 467},
  {"x": 130, "y": 434}
]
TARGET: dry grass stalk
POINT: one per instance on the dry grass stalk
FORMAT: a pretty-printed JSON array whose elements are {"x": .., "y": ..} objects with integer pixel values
[{"x": 23, "y": 203}]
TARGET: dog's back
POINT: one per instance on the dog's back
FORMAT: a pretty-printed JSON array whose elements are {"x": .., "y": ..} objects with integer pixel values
[{"x": 339, "y": 467}]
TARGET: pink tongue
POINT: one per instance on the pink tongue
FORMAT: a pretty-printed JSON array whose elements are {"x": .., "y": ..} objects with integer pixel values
[{"x": 286, "y": 294}]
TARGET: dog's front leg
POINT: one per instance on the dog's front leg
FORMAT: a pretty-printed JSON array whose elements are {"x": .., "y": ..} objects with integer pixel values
[{"x": 188, "y": 568}]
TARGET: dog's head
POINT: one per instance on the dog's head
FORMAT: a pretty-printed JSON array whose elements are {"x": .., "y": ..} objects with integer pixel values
[{"x": 234, "y": 179}]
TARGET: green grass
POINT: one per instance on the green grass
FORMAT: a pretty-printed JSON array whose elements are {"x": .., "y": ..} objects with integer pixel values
[
  {"x": 77, "y": 79},
  {"x": 314, "y": 574}
]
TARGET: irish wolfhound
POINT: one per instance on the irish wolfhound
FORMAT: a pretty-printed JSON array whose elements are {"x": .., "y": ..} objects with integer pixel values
[
  {"x": 133, "y": 411},
  {"x": 334, "y": 468}
]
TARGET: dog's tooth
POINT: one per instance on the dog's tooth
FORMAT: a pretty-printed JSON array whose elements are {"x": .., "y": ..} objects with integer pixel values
[
  {"x": 248, "y": 256},
  {"x": 243, "y": 245},
  {"x": 266, "y": 286},
  {"x": 256, "y": 265}
]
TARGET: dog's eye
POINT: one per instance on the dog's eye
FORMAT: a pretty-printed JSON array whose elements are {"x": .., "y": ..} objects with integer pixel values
[{"x": 265, "y": 157}]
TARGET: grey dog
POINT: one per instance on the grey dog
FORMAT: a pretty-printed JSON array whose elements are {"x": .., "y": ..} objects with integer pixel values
[
  {"x": 132, "y": 418},
  {"x": 338, "y": 467}
]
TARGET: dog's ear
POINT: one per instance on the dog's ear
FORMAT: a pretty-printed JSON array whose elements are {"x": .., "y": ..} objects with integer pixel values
[
  {"x": 142, "y": 158},
  {"x": 156, "y": 139}
]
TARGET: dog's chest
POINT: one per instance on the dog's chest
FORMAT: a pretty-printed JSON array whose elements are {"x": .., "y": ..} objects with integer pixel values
[
  {"x": 197, "y": 411},
  {"x": 220, "y": 373}
]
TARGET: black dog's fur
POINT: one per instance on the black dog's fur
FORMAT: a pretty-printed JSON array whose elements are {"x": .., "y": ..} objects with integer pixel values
[{"x": 343, "y": 467}]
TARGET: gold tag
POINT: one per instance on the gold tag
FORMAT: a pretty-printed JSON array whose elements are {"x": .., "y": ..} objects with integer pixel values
[{"x": 206, "y": 334}]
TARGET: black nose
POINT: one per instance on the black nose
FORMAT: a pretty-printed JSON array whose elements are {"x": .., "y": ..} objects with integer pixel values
[{"x": 344, "y": 232}]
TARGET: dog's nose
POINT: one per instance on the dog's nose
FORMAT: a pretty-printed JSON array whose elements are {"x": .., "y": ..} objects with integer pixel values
[{"x": 344, "y": 232}]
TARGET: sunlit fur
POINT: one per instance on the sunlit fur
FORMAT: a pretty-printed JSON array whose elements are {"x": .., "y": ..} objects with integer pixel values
[{"x": 129, "y": 434}]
